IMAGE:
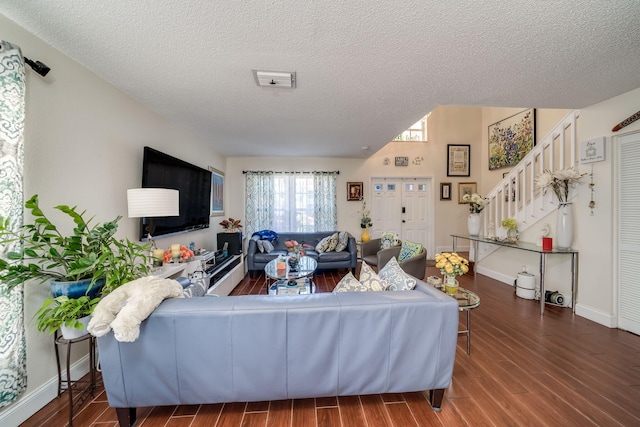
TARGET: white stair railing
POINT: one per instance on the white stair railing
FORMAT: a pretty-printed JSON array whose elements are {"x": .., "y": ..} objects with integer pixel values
[{"x": 516, "y": 195}]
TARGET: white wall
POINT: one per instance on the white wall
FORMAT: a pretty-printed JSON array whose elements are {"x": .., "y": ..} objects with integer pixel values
[
  {"x": 594, "y": 235},
  {"x": 83, "y": 146}
]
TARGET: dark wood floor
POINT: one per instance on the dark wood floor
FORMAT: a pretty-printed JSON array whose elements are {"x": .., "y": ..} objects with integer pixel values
[{"x": 524, "y": 369}]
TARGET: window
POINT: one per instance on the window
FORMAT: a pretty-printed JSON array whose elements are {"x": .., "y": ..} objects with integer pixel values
[
  {"x": 417, "y": 132},
  {"x": 295, "y": 202}
]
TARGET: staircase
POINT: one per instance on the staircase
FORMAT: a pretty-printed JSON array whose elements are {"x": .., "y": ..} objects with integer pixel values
[{"x": 516, "y": 195}]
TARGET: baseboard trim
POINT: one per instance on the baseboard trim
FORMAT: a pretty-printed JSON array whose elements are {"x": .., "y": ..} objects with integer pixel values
[
  {"x": 597, "y": 316},
  {"x": 588, "y": 313},
  {"x": 500, "y": 277},
  {"x": 33, "y": 401}
]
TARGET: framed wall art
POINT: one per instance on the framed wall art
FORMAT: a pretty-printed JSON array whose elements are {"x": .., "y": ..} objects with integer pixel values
[
  {"x": 217, "y": 192},
  {"x": 466, "y": 188},
  {"x": 445, "y": 191},
  {"x": 458, "y": 157},
  {"x": 511, "y": 139},
  {"x": 402, "y": 161},
  {"x": 354, "y": 191}
]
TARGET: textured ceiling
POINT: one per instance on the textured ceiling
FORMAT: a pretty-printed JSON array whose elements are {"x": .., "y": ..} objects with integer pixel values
[{"x": 366, "y": 70}]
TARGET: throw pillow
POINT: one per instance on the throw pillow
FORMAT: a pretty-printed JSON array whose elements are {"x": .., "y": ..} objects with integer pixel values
[
  {"x": 260, "y": 244},
  {"x": 349, "y": 284},
  {"x": 323, "y": 244},
  {"x": 343, "y": 241},
  {"x": 388, "y": 240},
  {"x": 396, "y": 277},
  {"x": 333, "y": 242},
  {"x": 408, "y": 250},
  {"x": 268, "y": 246},
  {"x": 370, "y": 279}
]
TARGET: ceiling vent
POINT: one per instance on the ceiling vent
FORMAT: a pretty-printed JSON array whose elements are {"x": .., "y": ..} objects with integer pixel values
[{"x": 285, "y": 79}]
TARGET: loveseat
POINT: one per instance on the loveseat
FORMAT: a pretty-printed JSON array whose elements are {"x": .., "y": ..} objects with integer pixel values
[
  {"x": 260, "y": 347},
  {"x": 348, "y": 258}
]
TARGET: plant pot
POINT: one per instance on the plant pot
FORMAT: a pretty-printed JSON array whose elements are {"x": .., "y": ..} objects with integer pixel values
[
  {"x": 473, "y": 224},
  {"x": 451, "y": 285},
  {"x": 77, "y": 288},
  {"x": 73, "y": 333},
  {"x": 365, "y": 235},
  {"x": 294, "y": 262}
]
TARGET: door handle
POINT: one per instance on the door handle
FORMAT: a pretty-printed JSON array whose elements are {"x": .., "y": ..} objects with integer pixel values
[
  {"x": 404, "y": 210},
  {"x": 404, "y": 221}
]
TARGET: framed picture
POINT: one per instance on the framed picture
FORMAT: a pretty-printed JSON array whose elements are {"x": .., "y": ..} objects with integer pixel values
[
  {"x": 217, "y": 192},
  {"x": 445, "y": 191},
  {"x": 354, "y": 191},
  {"x": 402, "y": 161},
  {"x": 466, "y": 188},
  {"x": 511, "y": 139},
  {"x": 458, "y": 157}
]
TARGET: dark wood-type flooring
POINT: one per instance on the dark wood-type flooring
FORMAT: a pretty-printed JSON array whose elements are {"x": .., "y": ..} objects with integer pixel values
[{"x": 524, "y": 369}]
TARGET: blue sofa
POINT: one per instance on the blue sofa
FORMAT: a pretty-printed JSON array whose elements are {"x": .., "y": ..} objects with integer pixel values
[
  {"x": 256, "y": 260},
  {"x": 260, "y": 347}
]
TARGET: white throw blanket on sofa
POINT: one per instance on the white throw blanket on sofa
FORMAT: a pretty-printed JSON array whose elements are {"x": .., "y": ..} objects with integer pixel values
[{"x": 124, "y": 309}]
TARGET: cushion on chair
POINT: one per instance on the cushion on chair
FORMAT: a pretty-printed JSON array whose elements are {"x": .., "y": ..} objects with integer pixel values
[
  {"x": 333, "y": 242},
  {"x": 398, "y": 280},
  {"x": 323, "y": 245},
  {"x": 268, "y": 246},
  {"x": 388, "y": 240},
  {"x": 408, "y": 250}
]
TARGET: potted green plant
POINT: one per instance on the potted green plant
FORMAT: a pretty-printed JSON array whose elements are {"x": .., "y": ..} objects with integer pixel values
[
  {"x": 73, "y": 264},
  {"x": 70, "y": 315}
]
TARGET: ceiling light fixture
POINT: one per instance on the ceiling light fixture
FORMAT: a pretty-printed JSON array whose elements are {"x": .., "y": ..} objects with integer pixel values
[{"x": 285, "y": 79}]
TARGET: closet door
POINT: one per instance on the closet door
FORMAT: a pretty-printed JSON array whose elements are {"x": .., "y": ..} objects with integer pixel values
[{"x": 629, "y": 232}]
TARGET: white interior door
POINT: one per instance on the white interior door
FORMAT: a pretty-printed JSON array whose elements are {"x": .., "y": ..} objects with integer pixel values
[
  {"x": 387, "y": 207},
  {"x": 628, "y": 232},
  {"x": 404, "y": 206}
]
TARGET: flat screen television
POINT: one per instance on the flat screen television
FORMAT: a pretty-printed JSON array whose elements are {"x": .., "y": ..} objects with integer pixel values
[{"x": 161, "y": 170}]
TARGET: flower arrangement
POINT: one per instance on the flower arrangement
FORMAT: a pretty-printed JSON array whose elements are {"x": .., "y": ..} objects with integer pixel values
[
  {"x": 559, "y": 182},
  {"x": 297, "y": 249},
  {"x": 231, "y": 224},
  {"x": 509, "y": 224},
  {"x": 476, "y": 202},
  {"x": 185, "y": 255},
  {"x": 365, "y": 216},
  {"x": 452, "y": 264}
]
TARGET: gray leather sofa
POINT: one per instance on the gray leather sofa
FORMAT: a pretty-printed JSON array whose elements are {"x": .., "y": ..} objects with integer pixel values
[
  {"x": 256, "y": 260},
  {"x": 260, "y": 347}
]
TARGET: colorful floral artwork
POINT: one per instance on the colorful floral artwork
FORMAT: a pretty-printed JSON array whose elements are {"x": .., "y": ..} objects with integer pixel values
[{"x": 511, "y": 139}]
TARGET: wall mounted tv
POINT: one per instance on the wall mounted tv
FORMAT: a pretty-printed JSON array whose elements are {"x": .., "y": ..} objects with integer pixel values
[{"x": 160, "y": 170}]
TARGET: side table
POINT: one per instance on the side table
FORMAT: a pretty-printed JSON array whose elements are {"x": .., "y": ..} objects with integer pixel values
[{"x": 88, "y": 386}]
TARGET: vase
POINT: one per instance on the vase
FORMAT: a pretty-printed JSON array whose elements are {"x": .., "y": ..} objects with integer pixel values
[
  {"x": 70, "y": 333},
  {"x": 451, "y": 284},
  {"x": 294, "y": 262},
  {"x": 512, "y": 235},
  {"x": 76, "y": 289},
  {"x": 365, "y": 235},
  {"x": 473, "y": 224},
  {"x": 564, "y": 226}
]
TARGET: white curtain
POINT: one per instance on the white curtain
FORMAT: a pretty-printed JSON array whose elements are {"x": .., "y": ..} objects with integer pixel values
[
  {"x": 259, "y": 201},
  {"x": 13, "y": 357},
  {"x": 325, "y": 213}
]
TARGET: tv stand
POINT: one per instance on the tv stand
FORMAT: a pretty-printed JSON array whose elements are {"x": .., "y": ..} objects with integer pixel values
[{"x": 226, "y": 275}]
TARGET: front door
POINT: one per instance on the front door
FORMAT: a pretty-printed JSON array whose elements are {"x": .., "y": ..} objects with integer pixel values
[{"x": 404, "y": 206}]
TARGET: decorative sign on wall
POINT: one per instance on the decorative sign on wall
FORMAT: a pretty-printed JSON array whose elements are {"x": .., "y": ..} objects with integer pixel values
[
  {"x": 402, "y": 161},
  {"x": 592, "y": 150}
]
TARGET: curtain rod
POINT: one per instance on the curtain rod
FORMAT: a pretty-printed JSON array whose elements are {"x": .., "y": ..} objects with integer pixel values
[{"x": 336, "y": 172}]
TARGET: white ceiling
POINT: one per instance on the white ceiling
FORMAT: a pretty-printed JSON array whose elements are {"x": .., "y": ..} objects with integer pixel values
[{"x": 366, "y": 70}]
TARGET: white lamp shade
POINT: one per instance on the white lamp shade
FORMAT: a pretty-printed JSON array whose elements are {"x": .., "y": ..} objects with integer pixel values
[{"x": 153, "y": 202}]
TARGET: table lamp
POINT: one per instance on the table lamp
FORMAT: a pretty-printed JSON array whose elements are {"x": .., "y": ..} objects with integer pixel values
[{"x": 150, "y": 203}]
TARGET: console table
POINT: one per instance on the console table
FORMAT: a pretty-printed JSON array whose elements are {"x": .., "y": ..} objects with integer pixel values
[{"x": 475, "y": 240}]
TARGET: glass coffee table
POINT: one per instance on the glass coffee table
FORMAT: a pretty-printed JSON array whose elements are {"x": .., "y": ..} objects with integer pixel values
[
  {"x": 302, "y": 286},
  {"x": 306, "y": 267},
  {"x": 467, "y": 301}
]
